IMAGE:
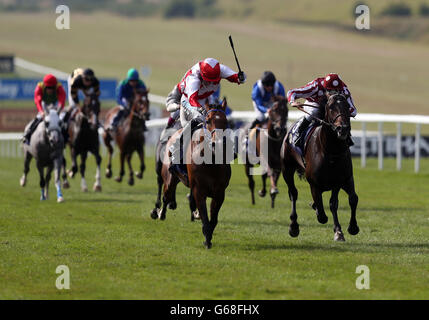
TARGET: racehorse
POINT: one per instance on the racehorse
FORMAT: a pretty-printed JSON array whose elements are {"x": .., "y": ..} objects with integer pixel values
[
  {"x": 204, "y": 179},
  {"x": 83, "y": 138},
  {"x": 326, "y": 164},
  {"x": 129, "y": 136},
  {"x": 46, "y": 146},
  {"x": 275, "y": 129}
]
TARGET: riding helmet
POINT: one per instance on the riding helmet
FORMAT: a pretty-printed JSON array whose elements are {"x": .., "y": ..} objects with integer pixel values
[
  {"x": 268, "y": 79},
  {"x": 49, "y": 80},
  {"x": 210, "y": 70},
  {"x": 132, "y": 74},
  {"x": 88, "y": 73},
  {"x": 332, "y": 82}
]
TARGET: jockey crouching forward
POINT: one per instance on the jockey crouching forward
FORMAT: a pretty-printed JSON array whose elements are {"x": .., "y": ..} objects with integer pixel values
[
  {"x": 125, "y": 96},
  {"x": 317, "y": 93},
  {"x": 48, "y": 92},
  {"x": 197, "y": 85},
  {"x": 84, "y": 80},
  {"x": 263, "y": 91}
]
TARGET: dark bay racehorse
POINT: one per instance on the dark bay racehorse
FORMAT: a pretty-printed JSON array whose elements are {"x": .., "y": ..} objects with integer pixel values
[
  {"x": 46, "y": 146},
  {"x": 275, "y": 129},
  {"x": 129, "y": 136},
  {"x": 204, "y": 179},
  {"x": 83, "y": 138},
  {"x": 328, "y": 166}
]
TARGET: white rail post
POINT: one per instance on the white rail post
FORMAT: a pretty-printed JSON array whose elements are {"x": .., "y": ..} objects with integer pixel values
[
  {"x": 380, "y": 146},
  {"x": 363, "y": 146},
  {"x": 417, "y": 149},
  {"x": 399, "y": 147}
]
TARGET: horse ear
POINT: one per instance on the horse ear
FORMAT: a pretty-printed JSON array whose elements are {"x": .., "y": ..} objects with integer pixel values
[{"x": 224, "y": 104}]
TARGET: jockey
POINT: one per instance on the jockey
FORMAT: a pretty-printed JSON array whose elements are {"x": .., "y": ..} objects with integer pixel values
[
  {"x": 197, "y": 85},
  {"x": 48, "y": 92},
  {"x": 316, "y": 93},
  {"x": 125, "y": 95},
  {"x": 85, "y": 80},
  {"x": 262, "y": 92}
]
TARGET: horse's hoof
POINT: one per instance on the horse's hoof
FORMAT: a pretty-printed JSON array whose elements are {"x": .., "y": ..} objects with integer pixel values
[
  {"x": 262, "y": 193},
  {"x": 84, "y": 189},
  {"x": 60, "y": 199},
  {"x": 108, "y": 174},
  {"x": 118, "y": 179},
  {"x": 70, "y": 173},
  {"x": 196, "y": 214},
  {"x": 66, "y": 185},
  {"x": 353, "y": 230},
  {"x": 294, "y": 231},
  {"x": 208, "y": 245},
  {"x": 42, "y": 198},
  {"x": 322, "y": 218},
  {"x": 161, "y": 214},
  {"x": 172, "y": 205},
  {"x": 274, "y": 191},
  {"x": 22, "y": 182},
  {"x": 139, "y": 175},
  {"x": 131, "y": 182},
  {"x": 339, "y": 236},
  {"x": 97, "y": 188},
  {"x": 154, "y": 214}
]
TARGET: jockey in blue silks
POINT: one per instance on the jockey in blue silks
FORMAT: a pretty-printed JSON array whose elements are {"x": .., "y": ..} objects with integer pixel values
[
  {"x": 262, "y": 92},
  {"x": 125, "y": 96}
]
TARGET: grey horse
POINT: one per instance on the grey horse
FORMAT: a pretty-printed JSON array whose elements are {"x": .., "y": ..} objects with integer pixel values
[{"x": 46, "y": 146}]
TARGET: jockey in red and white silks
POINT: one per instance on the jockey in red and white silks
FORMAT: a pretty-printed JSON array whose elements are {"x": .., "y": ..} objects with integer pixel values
[{"x": 197, "y": 85}]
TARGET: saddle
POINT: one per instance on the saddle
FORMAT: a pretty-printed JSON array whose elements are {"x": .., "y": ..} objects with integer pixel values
[{"x": 301, "y": 146}]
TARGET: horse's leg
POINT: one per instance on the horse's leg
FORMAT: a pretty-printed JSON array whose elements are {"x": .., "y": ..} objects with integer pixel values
[
  {"x": 193, "y": 207},
  {"x": 83, "y": 184},
  {"x": 288, "y": 176},
  {"x": 66, "y": 184},
  {"x": 139, "y": 175},
  {"x": 200, "y": 200},
  {"x": 215, "y": 206},
  {"x": 107, "y": 142},
  {"x": 47, "y": 180},
  {"x": 318, "y": 204},
  {"x": 27, "y": 161},
  {"x": 97, "y": 184},
  {"x": 251, "y": 182},
  {"x": 121, "y": 171},
  {"x": 274, "y": 191},
  {"x": 353, "y": 228},
  {"x": 130, "y": 168},
  {"x": 58, "y": 164},
  {"x": 42, "y": 182},
  {"x": 333, "y": 205},
  {"x": 73, "y": 156},
  {"x": 263, "y": 191},
  {"x": 169, "y": 190}
]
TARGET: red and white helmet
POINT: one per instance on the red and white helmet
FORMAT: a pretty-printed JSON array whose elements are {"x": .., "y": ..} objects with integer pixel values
[
  {"x": 210, "y": 70},
  {"x": 49, "y": 80},
  {"x": 332, "y": 82}
]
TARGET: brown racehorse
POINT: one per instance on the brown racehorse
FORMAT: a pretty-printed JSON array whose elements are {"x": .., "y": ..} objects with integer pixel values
[
  {"x": 328, "y": 166},
  {"x": 83, "y": 138},
  {"x": 129, "y": 136},
  {"x": 204, "y": 180},
  {"x": 276, "y": 129}
]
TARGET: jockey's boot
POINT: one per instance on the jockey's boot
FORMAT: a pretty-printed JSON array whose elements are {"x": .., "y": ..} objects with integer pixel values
[
  {"x": 301, "y": 126},
  {"x": 115, "y": 121},
  {"x": 27, "y": 134},
  {"x": 254, "y": 124}
]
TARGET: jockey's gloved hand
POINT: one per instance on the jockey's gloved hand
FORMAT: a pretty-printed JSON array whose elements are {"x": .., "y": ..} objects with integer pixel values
[
  {"x": 242, "y": 77},
  {"x": 203, "y": 112}
]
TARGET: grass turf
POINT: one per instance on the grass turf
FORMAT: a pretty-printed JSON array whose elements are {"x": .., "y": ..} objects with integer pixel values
[{"x": 116, "y": 251}]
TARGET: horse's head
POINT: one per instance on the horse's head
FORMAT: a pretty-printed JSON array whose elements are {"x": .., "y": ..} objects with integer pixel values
[
  {"x": 53, "y": 127},
  {"x": 278, "y": 115},
  {"x": 140, "y": 106},
  {"x": 337, "y": 113},
  {"x": 216, "y": 116},
  {"x": 91, "y": 108}
]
